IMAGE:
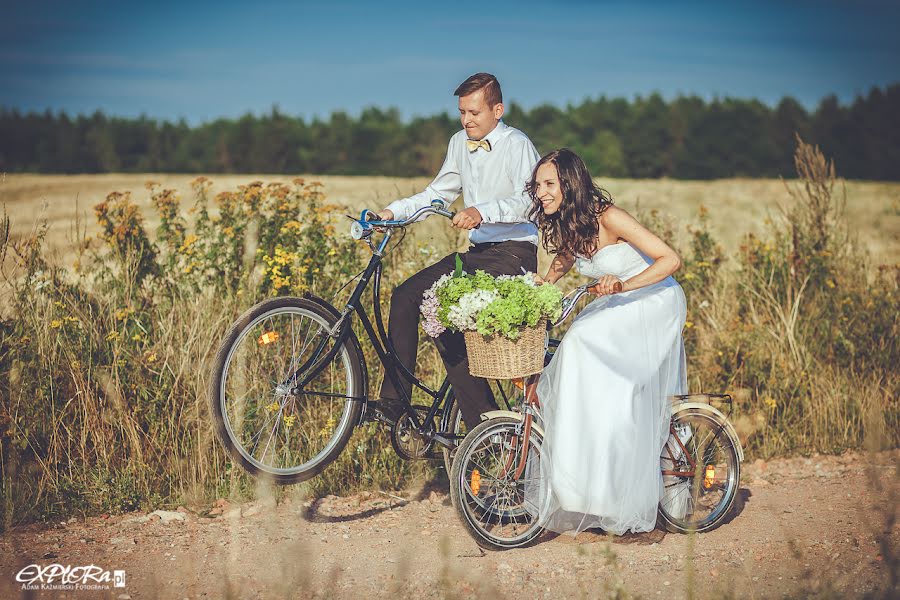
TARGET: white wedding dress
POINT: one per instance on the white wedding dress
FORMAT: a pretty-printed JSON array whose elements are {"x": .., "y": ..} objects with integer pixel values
[{"x": 605, "y": 404}]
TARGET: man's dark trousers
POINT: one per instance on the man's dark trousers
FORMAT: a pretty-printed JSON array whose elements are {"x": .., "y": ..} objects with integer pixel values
[{"x": 472, "y": 393}]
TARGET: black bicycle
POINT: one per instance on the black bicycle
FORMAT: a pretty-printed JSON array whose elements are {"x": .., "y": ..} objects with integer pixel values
[{"x": 290, "y": 383}]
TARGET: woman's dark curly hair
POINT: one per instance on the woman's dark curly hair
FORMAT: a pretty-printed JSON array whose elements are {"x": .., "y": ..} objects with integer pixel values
[{"x": 573, "y": 229}]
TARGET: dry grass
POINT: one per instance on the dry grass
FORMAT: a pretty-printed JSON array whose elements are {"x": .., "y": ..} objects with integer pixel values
[
  {"x": 737, "y": 206},
  {"x": 796, "y": 323}
]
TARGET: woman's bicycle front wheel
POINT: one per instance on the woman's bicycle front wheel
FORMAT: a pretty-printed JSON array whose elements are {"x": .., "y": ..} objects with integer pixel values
[
  {"x": 487, "y": 496},
  {"x": 509, "y": 391},
  {"x": 701, "y": 474},
  {"x": 267, "y": 425}
]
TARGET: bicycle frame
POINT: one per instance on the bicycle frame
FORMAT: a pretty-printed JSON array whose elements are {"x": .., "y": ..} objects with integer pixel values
[{"x": 380, "y": 340}]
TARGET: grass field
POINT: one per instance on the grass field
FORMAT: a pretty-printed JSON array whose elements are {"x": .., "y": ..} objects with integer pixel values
[
  {"x": 796, "y": 323},
  {"x": 736, "y": 206}
]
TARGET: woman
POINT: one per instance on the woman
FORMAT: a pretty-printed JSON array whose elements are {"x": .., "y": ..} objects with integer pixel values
[{"x": 605, "y": 395}]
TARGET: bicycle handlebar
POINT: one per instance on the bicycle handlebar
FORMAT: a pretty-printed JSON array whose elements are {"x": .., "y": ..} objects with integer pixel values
[
  {"x": 571, "y": 299},
  {"x": 365, "y": 225}
]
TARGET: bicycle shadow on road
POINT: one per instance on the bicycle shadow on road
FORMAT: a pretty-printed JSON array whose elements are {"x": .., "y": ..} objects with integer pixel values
[
  {"x": 313, "y": 512},
  {"x": 433, "y": 490},
  {"x": 740, "y": 502}
]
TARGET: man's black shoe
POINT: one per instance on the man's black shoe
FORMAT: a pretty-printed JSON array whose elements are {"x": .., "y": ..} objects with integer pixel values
[{"x": 387, "y": 410}]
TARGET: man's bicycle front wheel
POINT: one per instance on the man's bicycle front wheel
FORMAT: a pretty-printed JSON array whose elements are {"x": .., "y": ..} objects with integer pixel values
[{"x": 267, "y": 425}]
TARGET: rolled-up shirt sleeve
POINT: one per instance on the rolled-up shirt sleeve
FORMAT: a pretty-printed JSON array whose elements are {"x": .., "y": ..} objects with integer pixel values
[{"x": 447, "y": 186}]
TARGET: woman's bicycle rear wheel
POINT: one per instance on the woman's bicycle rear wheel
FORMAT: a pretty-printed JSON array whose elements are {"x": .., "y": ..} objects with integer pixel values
[
  {"x": 701, "y": 474},
  {"x": 488, "y": 498},
  {"x": 268, "y": 426}
]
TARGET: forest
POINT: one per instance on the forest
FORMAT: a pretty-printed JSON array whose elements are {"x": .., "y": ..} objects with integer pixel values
[{"x": 646, "y": 137}]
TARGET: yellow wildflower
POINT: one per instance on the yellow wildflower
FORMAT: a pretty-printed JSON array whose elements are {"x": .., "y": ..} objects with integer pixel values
[
  {"x": 124, "y": 313},
  {"x": 688, "y": 324},
  {"x": 55, "y": 324},
  {"x": 291, "y": 227},
  {"x": 112, "y": 335},
  {"x": 289, "y": 420},
  {"x": 187, "y": 245}
]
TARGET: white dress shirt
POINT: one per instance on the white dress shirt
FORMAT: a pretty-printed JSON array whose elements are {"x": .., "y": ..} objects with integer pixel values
[{"x": 493, "y": 182}]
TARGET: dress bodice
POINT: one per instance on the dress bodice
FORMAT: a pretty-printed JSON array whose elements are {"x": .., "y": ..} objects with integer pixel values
[{"x": 621, "y": 260}]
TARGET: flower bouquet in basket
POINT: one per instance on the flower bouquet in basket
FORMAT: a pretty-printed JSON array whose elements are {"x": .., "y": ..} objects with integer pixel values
[{"x": 504, "y": 319}]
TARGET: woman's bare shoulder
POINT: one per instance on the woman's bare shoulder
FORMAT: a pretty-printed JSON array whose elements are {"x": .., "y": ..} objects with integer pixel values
[{"x": 613, "y": 215}]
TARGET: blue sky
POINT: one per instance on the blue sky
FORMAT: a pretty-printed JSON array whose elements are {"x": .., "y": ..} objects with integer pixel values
[{"x": 202, "y": 60}]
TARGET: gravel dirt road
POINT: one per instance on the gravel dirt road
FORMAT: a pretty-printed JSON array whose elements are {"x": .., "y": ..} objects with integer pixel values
[{"x": 821, "y": 526}]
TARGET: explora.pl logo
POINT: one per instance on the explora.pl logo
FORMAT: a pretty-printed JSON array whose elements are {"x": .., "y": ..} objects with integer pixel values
[{"x": 67, "y": 577}]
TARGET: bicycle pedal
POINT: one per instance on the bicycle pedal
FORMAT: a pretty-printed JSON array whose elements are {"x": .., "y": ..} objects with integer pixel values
[{"x": 372, "y": 414}]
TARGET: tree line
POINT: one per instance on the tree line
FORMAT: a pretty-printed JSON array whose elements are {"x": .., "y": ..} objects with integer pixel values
[{"x": 686, "y": 137}]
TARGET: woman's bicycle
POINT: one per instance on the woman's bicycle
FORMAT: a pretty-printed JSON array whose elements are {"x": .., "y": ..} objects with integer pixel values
[
  {"x": 499, "y": 460},
  {"x": 289, "y": 383}
]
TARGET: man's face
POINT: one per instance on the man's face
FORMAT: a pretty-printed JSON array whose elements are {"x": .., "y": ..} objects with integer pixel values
[{"x": 476, "y": 116}]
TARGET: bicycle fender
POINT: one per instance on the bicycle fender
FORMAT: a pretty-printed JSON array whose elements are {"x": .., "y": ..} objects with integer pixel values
[
  {"x": 493, "y": 414},
  {"x": 677, "y": 408}
]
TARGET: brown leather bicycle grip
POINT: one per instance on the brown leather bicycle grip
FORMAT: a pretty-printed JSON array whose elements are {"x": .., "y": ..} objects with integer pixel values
[{"x": 617, "y": 287}]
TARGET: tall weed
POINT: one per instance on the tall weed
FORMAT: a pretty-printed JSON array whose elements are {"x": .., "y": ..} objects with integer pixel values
[{"x": 105, "y": 363}]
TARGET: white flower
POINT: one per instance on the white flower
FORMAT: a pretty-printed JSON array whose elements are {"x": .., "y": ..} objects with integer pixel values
[
  {"x": 437, "y": 284},
  {"x": 527, "y": 278},
  {"x": 465, "y": 313}
]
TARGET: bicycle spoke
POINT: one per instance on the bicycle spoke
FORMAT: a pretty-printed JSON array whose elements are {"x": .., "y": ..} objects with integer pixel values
[
  {"x": 272, "y": 429},
  {"x": 700, "y": 501}
]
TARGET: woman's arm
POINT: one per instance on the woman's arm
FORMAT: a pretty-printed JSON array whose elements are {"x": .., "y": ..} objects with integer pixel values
[
  {"x": 665, "y": 260},
  {"x": 560, "y": 266}
]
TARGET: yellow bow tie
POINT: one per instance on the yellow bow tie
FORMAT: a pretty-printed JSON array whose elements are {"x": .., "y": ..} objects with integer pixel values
[{"x": 474, "y": 145}]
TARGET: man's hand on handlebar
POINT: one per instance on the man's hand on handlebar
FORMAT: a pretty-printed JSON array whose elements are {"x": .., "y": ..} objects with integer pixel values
[
  {"x": 606, "y": 285},
  {"x": 468, "y": 218},
  {"x": 385, "y": 215}
]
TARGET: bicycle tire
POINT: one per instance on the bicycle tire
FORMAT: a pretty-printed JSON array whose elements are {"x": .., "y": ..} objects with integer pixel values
[
  {"x": 457, "y": 426},
  {"x": 324, "y": 314},
  {"x": 723, "y": 506},
  {"x": 459, "y": 488}
]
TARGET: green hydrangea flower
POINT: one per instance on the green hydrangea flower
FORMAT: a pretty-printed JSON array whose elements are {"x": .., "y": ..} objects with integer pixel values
[{"x": 519, "y": 303}]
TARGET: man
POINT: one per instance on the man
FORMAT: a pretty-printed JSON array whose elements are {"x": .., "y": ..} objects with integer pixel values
[{"x": 489, "y": 163}]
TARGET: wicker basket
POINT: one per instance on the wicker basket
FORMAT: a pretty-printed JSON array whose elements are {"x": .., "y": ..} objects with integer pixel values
[{"x": 497, "y": 357}]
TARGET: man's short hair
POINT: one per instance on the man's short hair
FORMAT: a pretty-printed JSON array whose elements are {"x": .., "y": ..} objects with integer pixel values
[{"x": 482, "y": 81}]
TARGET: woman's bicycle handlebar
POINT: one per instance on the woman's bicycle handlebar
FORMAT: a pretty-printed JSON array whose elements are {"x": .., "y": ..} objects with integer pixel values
[
  {"x": 368, "y": 222},
  {"x": 571, "y": 299}
]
